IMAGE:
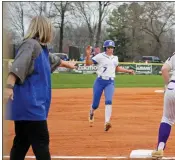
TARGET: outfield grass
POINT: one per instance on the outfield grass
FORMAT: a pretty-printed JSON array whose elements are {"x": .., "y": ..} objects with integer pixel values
[{"x": 86, "y": 80}]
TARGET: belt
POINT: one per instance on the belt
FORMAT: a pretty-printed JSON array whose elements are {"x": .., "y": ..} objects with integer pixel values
[
  {"x": 106, "y": 78},
  {"x": 171, "y": 88}
]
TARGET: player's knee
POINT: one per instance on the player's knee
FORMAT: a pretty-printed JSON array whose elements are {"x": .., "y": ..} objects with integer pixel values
[
  {"x": 167, "y": 120},
  {"x": 94, "y": 107},
  {"x": 108, "y": 102}
]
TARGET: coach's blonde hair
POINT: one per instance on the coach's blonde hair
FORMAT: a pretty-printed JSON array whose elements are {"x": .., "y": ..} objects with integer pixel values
[{"x": 40, "y": 28}]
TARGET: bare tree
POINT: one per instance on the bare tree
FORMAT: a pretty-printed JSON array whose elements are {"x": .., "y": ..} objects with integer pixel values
[
  {"x": 37, "y": 8},
  {"x": 41, "y": 8},
  {"x": 103, "y": 10},
  {"x": 158, "y": 18},
  {"x": 16, "y": 17},
  {"x": 88, "y": 12},
  {"x": 62, "y": 8},
  {"x": 146, "y": 26},
  {"x": 168, "y": 44},
  {"x": 77, "y": 36},
  {"x": 56, "y": 12}
]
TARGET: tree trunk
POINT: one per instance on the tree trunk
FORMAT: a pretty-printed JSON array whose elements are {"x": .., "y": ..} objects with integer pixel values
[
  {"x": 61, "y": 33},
  {"x": 98, "y": 35},
  {"x": 157, "y": 49},
  {"x": 44, "y": 9},
  {"x": 133, "y": 41},
  {"x": 91, "y": 38},
  {"x": 99, "y": 26}
]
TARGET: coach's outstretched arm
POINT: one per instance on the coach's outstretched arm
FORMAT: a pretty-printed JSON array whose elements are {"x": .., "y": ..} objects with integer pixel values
[
  {"x": 66, "y": 64},
  {"x": 121, "y": 69},
  {"x": 55, "y": 61}
]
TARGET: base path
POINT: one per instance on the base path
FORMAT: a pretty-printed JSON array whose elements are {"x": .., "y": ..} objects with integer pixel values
[{"x": 135, "y": 122}]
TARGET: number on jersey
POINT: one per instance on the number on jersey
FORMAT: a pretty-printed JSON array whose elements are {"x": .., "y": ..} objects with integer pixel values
[{"x": 105, "y": 68}]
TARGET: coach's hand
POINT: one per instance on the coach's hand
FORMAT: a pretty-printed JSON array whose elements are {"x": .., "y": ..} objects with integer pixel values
[
  {"x": 70, "y": 64},
  {"x": 130, "y": 71},
  {"x": 73, "y": 65},
  {"x": 88, "y": 51},
  {"x": 8, "y": 93}
]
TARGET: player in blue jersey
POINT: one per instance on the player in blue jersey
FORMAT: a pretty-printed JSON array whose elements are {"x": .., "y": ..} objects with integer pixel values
[
  {"x": 28, "y": 88},
  {"x": 107, "y": 65}
]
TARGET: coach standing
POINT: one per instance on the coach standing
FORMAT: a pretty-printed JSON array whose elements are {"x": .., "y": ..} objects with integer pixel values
[{"x": 28, "y": 88}]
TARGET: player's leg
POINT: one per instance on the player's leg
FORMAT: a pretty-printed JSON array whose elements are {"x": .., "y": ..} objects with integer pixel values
[
  {"x": 167, "y": 121},
  {"x": 108, "y": 91},
  {"x": 20, "y": 143},
  {"x": 97, "y": 92},
  {"x": 168, "y": 118}
]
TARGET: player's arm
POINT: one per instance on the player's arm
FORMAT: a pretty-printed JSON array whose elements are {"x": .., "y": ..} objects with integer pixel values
[
  {"x": 167, "y": 66},
  {"x": 165, "y": 73},
  {"x": 121, "y": 69},
  {"x": 89, "y": 61}
]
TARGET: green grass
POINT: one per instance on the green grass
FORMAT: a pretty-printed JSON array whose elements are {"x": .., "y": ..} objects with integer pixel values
[{"x": 63, "y": 80}]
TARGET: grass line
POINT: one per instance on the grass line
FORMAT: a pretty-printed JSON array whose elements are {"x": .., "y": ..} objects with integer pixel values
[{"x": 86, "y": 81}]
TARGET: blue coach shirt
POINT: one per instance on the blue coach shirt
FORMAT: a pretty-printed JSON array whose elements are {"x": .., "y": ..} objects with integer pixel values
[{"x": 33, "y": 66}]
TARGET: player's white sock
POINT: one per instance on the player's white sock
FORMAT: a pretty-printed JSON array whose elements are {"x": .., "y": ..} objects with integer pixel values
[
  {"x": 161, "y": 146},
  {"x": 92, "y": 111},
  {"x": 108, "y": 112}
]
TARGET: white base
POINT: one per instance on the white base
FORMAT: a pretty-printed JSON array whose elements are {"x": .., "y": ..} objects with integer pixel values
[
  {"x": 159, "y": 91},
  {"x": 141, "y": 153}
]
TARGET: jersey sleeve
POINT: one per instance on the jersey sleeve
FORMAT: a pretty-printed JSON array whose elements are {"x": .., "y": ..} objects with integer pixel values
[
  {"x": 55, "y": 61},
  {"x": 96, "y": 59},
  {"x": 116, "y": 62},
  {"x": 22, "y": 62},
  {"x": 171, "y": 60}
]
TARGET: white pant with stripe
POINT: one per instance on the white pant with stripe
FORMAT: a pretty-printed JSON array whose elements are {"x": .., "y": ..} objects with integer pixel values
[{"x": 169, "y": 105}]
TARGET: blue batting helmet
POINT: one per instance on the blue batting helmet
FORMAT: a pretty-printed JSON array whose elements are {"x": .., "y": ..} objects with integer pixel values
[{"x": 109, "y": 43}]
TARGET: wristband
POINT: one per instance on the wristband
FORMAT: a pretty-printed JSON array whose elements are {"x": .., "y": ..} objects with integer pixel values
[{"x": 9, "y": 86}]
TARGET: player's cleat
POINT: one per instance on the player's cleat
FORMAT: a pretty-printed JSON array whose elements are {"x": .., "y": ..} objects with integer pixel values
[
  {"x": 107, "y": 126},
  {"x": 157, "y": 154},
  {"x": 91, "y": 118}
]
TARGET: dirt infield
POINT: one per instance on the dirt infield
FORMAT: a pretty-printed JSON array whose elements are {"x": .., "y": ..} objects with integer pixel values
[{"x": 135, "y": 119}]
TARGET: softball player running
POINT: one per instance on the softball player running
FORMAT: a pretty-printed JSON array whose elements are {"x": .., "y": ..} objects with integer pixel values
[
  {"x": 107, "y": 64},
  {"x": 168, "y": 118}
]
